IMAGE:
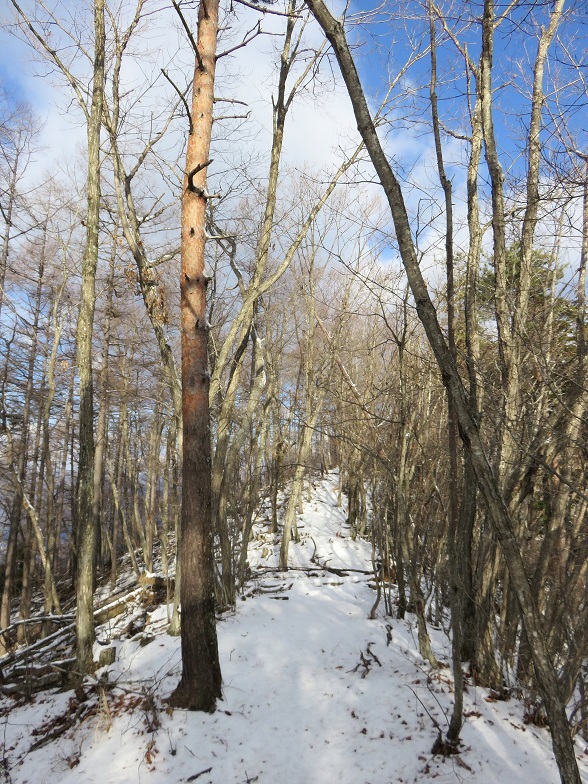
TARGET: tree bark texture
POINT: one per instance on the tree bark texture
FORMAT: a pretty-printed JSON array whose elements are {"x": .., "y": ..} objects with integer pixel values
[
  {"x": 200, "y": 684},
  {"x": 456, "y": 535},
  {"x": 86, "y": 535}
]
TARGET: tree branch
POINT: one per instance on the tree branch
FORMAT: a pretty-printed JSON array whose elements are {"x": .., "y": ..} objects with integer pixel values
[
  {"x": 249, "y": 36},
  {"x": 182, "y": 99},
  {"x": 264, "y": 10},
  {"x": 189, "y": 34}
]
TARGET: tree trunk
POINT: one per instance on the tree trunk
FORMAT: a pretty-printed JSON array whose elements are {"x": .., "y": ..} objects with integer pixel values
[
  {"x": 455, "y": 537},
  {"x": 468, "y": 507},
  {"x": 50, "y": 594},
  {"x": 17, "y": 501},
  {"x": 30, "y": 542},
  {"x": 102, "y": 424},
  {"x": 200, "y": 684},
  {"x": 86, "y": 535},
  {"x": 7, "y": 214},
  {"x": 153, "y": 472}
]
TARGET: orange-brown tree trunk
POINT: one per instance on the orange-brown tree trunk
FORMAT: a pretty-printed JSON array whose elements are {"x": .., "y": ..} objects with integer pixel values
[{"x": 200, "y": 684}]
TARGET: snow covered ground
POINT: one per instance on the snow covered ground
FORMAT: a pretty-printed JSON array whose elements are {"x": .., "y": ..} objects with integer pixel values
[{"x": 299, "y": 707}]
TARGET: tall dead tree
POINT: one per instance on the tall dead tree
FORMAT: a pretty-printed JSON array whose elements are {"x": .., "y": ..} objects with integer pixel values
[{"x": 200, "y": 684}]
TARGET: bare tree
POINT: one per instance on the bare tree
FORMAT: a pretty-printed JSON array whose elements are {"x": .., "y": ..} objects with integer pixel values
[
  {"x": 85, "y": 529},
  {"x": 562, "y": 743},
  {"x": 17, "y": 131},
  {"x": 92, "y": 110},
  {"x": 200, "y": 684}
]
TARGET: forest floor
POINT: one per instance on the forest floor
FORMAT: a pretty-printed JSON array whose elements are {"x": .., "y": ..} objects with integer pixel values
[{"x": 314, "y": 692}]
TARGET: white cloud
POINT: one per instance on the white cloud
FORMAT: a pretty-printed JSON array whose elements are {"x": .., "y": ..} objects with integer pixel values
[{"x": 318, "y": 123}]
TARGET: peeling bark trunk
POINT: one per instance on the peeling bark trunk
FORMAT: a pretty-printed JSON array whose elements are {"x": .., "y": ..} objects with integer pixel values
[{"x": 200, "y": 684}]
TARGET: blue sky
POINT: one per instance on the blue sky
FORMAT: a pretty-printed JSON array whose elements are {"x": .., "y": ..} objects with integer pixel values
[{"x": 319, "y": 126}]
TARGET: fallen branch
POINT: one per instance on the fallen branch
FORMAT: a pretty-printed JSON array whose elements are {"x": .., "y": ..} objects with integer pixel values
[
  {"x": 197, "y": 775},
  {"x": 62, "y": 724},
  {"x": 37, "y": 619}
]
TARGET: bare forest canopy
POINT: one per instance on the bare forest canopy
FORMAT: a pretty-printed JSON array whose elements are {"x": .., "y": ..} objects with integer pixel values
[{"x": 395, "y": 231}]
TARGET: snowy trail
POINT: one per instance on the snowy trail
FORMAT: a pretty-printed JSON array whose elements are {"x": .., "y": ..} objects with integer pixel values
[{"x": 296, "y": 709}]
